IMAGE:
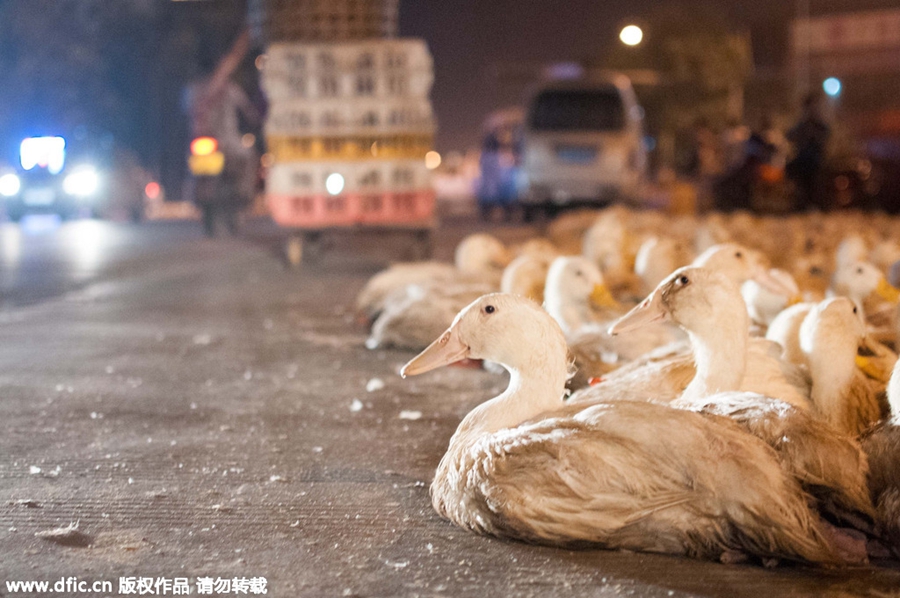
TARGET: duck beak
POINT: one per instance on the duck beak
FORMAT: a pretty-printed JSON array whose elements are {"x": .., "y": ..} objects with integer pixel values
[
  {"x": 765, "y": 279},
  {"x": 794, "y": 300},
  {"x": 602, "y": 298},
  {"x": 444, "y": 351},
  {"x": 871, "y": 370},
  {"x": 536, "y": 292},
  {"x": 887, "y": 292},
  {"x": 652, "y": 309}
]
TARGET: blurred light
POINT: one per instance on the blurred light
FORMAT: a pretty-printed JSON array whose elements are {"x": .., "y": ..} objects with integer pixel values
[
  {"x": 152, "y": 190},
  {"x": 432, "y": 160},
  {"x": 204, "y": 146},
  {"x": 9, "y": 185},
  {"x": 46, "y": 152},
  {"x": 334, "y": 184},
  {"x": 267, "y": 160},
  {"x": 631, "y": 35},
  {"x": 248, "y": 140},
  {"x": 565, "y": 70},
  {"x": 88, "y": 243},
  {"x": 832, "y": 86},
  {"x": 82, "y": 182},
  {"x": 36, "y": 224},
  {"x": 11, "y": 236}
]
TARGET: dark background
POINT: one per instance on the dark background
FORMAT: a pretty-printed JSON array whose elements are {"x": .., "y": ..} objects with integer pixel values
[{"x": 111, "y": 73}]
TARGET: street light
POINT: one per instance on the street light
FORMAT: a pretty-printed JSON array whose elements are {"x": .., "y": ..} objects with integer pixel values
[
  {"x": 832, "y": 86},
  {"x": 631, "y": 35}
]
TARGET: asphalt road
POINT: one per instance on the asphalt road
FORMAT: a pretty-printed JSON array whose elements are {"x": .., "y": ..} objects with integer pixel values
[{"x": 201, "y": 411}]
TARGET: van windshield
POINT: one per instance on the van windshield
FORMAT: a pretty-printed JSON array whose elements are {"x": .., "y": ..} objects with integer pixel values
[{"x": 578, "y": 110}]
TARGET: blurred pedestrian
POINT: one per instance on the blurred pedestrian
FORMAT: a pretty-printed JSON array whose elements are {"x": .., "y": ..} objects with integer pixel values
[
  {"x": 216, "y": 105},
  {"x": 809, "y": 138}
]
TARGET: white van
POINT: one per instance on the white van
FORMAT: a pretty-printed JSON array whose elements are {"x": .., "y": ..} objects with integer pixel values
[{"x": 583, "y": 143}]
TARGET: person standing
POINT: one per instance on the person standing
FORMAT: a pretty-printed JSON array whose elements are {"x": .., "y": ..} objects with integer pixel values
[{"x": 809, "y": 138}]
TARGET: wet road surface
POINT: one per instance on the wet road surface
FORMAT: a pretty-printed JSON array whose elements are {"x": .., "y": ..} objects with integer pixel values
[{"x": 200, "y": 410}]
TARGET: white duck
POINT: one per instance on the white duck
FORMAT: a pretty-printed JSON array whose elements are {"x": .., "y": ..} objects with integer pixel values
[
  {"x": 424, "y": 311},
  {"x": 577, "y": 298},
  {"x": 576, "y": 295},
  {"x": 526, "y": 276},
  {"x": 785, "y": 330},
  {"x": 868, "y": 287},
  {"x": 798, "y": 437},
  {"x": 763, "y": 304},
  {"x": 620, "y": 474},
  {"x": 720, "y": 346},
  {"x": 478, "y": 258},
  {"x": 829, "y": 337},
  {"x": 656, "y": 259}
]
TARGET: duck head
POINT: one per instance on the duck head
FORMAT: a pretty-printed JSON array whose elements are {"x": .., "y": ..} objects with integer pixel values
[
  {"x": 697, "y": 299},
  {"x": 859, "y": 280},
  {"x": 577, "y": 279},
  {"x": 657, "y": 258},
  {"x": 740, "y": 264},
  {"x": 526, "y": 276},
  {"x": 512, "y": 331},
  {"x": 836, "y": 321},
  {"x": 481, "y": 253}
]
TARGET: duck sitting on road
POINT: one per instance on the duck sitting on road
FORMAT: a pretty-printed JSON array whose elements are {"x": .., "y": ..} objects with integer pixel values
[
  {"x": 479, "y": 258},
  {"x": 720, "y": 348},
  {"x": 707, "y": 305},
  {"x": 414, "y": 320},
  {"x": 616, "y": 474}
]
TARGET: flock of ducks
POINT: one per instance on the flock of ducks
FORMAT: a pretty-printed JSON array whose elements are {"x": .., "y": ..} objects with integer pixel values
[{"x": 723, "y": 387}]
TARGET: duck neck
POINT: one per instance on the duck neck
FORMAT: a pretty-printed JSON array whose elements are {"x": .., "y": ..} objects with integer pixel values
[
  {"x": 567, "y": 313},
  {"x": 720, "y": 355},
  {"x": 832, "y": 367},
  {"x": 531, "y": 392}
]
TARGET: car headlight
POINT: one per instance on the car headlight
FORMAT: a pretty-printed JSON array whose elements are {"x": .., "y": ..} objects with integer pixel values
[
  {"x": 82, "y": 182},
  {"x": 9, "y": 185}
]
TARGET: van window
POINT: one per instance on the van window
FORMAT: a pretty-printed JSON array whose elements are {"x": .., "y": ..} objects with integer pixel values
[{"x": 578, "y": 110}]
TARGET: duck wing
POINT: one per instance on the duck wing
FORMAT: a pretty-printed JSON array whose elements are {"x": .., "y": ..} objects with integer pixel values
[
  {"x": 372, "y": 298},
  {"x": 882, "y": 445},
  {"x": 769, "y": 375},
  {"x": 635, "y": 476},
  {"x": 421, "y": 315},
  {"x": 827, "y": 463},
  {"x": 659, "y": 376}
]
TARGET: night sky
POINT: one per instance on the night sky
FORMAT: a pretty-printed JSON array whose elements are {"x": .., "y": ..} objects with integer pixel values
[{"x": 474, "y": 40}]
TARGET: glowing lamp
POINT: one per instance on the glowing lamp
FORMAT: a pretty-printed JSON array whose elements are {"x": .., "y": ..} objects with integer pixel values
[{"x": 204, "y": 146}]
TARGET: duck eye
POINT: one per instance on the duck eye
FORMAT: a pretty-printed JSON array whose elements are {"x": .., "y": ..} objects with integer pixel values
[
  {"x": 579, "y": 273},
  {"x": 738, "y": 254},
  {"x": 859, "y": 270},
  {"x": 489, "y": 309},
  {"x": 855, "y": 310},
  {"x": 683, "y": 280}
]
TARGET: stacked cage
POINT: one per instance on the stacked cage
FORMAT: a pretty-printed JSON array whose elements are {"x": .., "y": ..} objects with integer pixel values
[
  {"x": 322, "y": 20},
  {"x": 348, "y": 128}
]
